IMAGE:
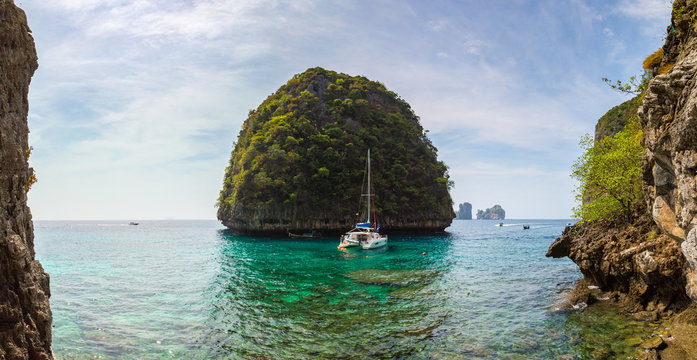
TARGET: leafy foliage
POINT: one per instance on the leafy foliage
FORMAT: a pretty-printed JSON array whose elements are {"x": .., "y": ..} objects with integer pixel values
[
  {"x": 609, "y": 175},
  {"x": 31, "y": 180},
  {"x": 301, "y": 154},
  {"x": 616, "y": 118},
  {"x": 633, "y": 86}
]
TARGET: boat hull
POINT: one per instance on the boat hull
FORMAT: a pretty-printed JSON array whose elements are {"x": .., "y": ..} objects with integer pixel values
[
  {"x": 366, "y": 238},
  {"x": 375, "y": 244},
  {"x": 346, "y": 246}
]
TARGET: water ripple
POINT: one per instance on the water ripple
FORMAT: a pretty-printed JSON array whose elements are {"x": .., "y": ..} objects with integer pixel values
[{"x": 191, "y": 290}]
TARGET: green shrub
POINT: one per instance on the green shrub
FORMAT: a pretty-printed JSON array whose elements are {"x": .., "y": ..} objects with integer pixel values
[{"x": 609, "y": 175}]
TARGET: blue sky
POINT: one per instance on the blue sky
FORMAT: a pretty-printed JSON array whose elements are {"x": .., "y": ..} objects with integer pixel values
[{"x": 136, "y": 104}]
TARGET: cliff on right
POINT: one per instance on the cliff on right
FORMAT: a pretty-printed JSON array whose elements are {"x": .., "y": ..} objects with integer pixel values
[
  {"x": 646, "y": 261},
  {"x": 668, "y": 116}
]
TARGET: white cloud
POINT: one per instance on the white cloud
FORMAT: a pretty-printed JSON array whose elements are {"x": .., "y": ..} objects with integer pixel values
[
  {"x": 475, "y": 46},
  {"x": 136, "y": 103},
  {"x": 586, "y": 13},
  {"x": 439, "y": 25},
  {"x": 478, "y": 168},
  {"x": 646, "y": 9}
]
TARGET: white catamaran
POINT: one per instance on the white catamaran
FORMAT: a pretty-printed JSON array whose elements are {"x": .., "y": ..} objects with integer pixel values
[{"x": 365, "y": 234}]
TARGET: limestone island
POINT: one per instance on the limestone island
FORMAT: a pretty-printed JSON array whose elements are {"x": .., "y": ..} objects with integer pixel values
[
  {"x": 298, "y": 163},
  {"x": 495, "y": 212},
  {"x": 464, "y": 211}
]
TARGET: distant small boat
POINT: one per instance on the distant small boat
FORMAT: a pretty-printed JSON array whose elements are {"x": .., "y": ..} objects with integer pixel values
[
  {"x": 132, "y": 223},
  {"x": 525, "y": 227},
  {"x": 500, "y": 224},
  {"x": 310, "y": 235}
]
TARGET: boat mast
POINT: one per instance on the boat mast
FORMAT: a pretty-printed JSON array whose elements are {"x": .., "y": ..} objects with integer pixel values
[{"x": 370, "y": 195}]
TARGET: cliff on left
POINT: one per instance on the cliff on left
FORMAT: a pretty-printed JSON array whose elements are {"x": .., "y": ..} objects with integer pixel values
[{"x": 25, "y": 316}]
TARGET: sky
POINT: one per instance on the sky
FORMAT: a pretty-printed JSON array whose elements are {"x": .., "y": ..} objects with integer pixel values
[{"x": 136, "y": 105}]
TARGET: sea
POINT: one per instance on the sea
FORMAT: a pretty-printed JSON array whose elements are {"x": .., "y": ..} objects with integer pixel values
[{"x": 192, "y": 290}]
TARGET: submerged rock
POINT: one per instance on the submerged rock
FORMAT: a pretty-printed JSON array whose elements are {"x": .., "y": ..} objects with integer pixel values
[
  {"x": 683, "y": 333},
  {"x": 417, "y": 292},
  {"x": 25, "y": 315},
  {"x": 392, "y": 277},
  {"x": 655, "y": 342}
]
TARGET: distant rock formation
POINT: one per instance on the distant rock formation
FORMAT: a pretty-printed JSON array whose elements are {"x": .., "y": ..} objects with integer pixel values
[
  {"x": 495, "y": 212},
  {"x": 299, "y": 161},
  {"x": 25, "y": 316},
  {"x": 464, "y": 212}
]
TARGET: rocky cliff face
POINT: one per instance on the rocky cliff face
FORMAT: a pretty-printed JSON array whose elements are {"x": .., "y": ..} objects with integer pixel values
[
  {"x": 25, "y": 316},
  {"x": 649, "y": 266},
  {"x": 669, "y": 119},
  {"x": 634, "y": 265}
]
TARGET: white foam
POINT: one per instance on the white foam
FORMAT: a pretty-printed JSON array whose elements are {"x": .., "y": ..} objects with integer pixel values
[{"x": 580, "y": 306}]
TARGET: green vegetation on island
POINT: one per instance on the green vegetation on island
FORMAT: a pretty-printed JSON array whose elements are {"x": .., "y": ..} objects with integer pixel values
[
  {"x": 495, "y": 212},
  {"x": 609, "y": 175},
  {"x": 609, "y": 170},
  {"x": 300, "y": 158},
  {"x": 464, "y": 211},
  {"x": 616, "y": 118}
]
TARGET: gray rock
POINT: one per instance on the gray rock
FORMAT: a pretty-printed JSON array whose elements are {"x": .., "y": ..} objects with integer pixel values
[
  {"x": 559, "y": 248},
  {"x": 669, "y": 120},
  {"x": 662, "y": 177},
  {"x": 646, "y": 263},
  {"x": 665, "y": 218},
  {"x": 25, "y": 315},
  {"x": 689, "y": 250}
]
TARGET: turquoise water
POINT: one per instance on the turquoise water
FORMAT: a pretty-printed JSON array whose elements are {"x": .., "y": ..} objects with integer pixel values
[{"x": 190, "y": 290}]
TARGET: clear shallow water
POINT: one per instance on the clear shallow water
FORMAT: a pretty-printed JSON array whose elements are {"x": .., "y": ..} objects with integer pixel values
[{"x": 190, "y": 290}]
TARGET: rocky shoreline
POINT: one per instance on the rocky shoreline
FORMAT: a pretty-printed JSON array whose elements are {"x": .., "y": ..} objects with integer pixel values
[
  {"x": 638, "y": 270},
  {"x": 633, "y": 265},
  {"x": 277, "y": 228}
]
